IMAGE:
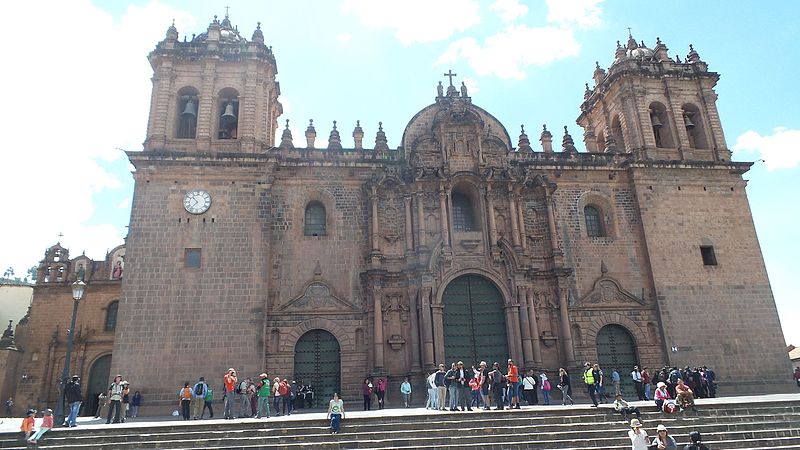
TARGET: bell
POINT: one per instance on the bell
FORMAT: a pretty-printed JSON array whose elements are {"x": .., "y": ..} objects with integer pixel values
[
  {"x": 191, "y": 108},
  {"x": 656, "y": 122},
  {"x": 687, "y": 121},
  {"x": 228, "y": 118}
]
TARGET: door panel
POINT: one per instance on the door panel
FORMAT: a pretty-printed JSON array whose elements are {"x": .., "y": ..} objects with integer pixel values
[
  {"x": 616, "y": 350},
  {"x": 317, "y": 362}
]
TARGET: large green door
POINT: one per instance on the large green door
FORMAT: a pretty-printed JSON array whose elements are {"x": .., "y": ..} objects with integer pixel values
[
  {"x": 98, "y": 382},
  {"x": 474, "y": 322},
  {"x": 616, "y": 350},
  {"x": 317, "y": 362}
]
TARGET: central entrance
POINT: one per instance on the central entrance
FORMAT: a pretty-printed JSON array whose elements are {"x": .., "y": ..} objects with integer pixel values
[
  {"x": 317, "y": 363},
  {"x": 616, "y": 350},
  {"x": 98, "y": 382},
  {"x": 474, "y": 322}
]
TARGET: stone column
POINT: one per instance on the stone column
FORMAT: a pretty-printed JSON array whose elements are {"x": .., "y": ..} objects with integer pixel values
[
  {"x": 443, "y": 214},
  {"x": 409, "y": 231},
  {"x": 490, "y": 217},
  {"x": 521, "y": 217},
  {"x": 536, "y": 341},
  {"x": 566, "y": 331},
  {"x": 420, "y": 219},
  {"x": 525, "y": 328},
  {"x": 438, "y": 332},
  {"x": 551, "y": 224},
  {"x": 414, "y": 319},
  {"x": 427, "y": 328},
  {"x": 375, "y": 224},
  {"x": 514, "y": 340},
  {"x": 513, "y": 216},
  {"x": 378, "y": 325}
]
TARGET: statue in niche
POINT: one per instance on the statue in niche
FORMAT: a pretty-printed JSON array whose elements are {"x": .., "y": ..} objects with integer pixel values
[
  {"x": 117, "y": 273},
  {"x": 395, "y": 314},
  {"x": 81, "y": 273},
  {"x": 463, "y": 89}
]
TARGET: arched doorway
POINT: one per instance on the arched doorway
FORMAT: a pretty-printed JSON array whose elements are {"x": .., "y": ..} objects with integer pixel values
[
  {"x": 317, "y": 362},
  {"x": 98, "y": 382},
  {"x": 617, "y": 350},
  {"x": 474, "y": 322}
]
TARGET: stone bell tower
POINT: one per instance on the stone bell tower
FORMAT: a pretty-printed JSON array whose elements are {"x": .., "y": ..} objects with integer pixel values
[
  {"x": 215, "y": 92},
  {"x": 660, "y": 108}
]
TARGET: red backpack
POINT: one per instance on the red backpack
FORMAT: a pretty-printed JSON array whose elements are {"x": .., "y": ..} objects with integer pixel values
[{"x": 283, "y": 388}]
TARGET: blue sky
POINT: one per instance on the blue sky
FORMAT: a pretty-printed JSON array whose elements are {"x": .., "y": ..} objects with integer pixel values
[{"x": 84, "y": 64}]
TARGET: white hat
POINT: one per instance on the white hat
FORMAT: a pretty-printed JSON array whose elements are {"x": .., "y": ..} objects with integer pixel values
[{"x": 661, "y": 427}]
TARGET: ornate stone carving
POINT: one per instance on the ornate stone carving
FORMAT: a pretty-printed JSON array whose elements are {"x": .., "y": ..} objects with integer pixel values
[
  {"x": 317, "y": 297},
  {"x": 607, "y": 291}
]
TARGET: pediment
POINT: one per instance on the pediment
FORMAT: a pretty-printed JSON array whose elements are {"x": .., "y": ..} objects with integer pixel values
[
  {"x": 317, "y": 297},
  {"x": 606, "y": 292}
]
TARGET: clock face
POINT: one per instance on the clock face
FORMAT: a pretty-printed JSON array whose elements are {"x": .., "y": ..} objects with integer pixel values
[{"x": 197, "y": 201}]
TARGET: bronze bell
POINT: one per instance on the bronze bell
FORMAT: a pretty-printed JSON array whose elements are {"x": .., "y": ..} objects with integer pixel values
[
  {"x": 228, "y": 118},
  {"x": 190, "y": 109},
  {"x": 687, "y": 121},
  {"x": 656, "y": 121}
]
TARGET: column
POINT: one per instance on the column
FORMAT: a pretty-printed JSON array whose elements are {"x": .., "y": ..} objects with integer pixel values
[
  {"x": 512, "y": 325},
  {"x": 378, "y": 325},
  {"x": 443, "y": 215},
  {"x": 525, "y": 328},
  {"x": 566, "y": 331},
  {"x": 551, "y": 223},
  {"x": 490, "y": 217},
  {"x": 438, "y": 332},
  {"x": 536, "y": 341},
  {"x": 374, "y": 200},
  {"x": 420, "y": 219},
  {"x": 414, "y": 319},
  {"x": 513, "y": 217},
  {"x": 521, "y": 217},
  {"x": 427, "y": 328},
  {"x": 409, "y": 231}
]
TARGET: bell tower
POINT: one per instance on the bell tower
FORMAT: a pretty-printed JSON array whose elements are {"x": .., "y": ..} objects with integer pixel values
[
  {"x": 654, "y": 106},
  {"x": 213, "y": 92}
]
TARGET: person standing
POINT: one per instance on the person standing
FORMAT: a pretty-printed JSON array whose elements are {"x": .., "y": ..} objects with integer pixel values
[
  {"x": 615, "y": 380},
  {"x": 638, "y": 436},
  {"x": 588, "y": 379},
  {"x": 545, "y": 387},
  {"x": 336, "y": 413},
  {"x": 497, "y": 380},
  {"x": 380, "y": 391},
  {"x": 463, "y": 376},
  {"x": 637, "y": 382},
  {"x": 646, "y": 381},
  {"x": 207, "y": 402},
  {"x": 483, "y": 380},
  {"x": 366, "y": 391},
  {"x": 198, "y": 398},
  {"x": 115, "y": 399},
  {"x": 441, "y": 388},
  {"x": 529, "y": 388},
  {"x": 74, "y": 400},
  {"x": 431, "y": 384},
  {"x": 564, "y": 386},
  {"x": 513, "y": 384},
  {"x": 185, "y": 395},
  {"x": 136, "y": 402},
  {"x": 230, "y": 381},
  {"x": 405, "y": 391},
  {"x": 796, "y": 378},
  {"x": 244, "y": 398},
  {"x": 286, "y": 396},
  {"x": 10, "y": 405},
  {"x": 452, "y": 387},
  {"x": 264, "y": 389},
  {"x": 102, "y": 400},
  {"x": 126, "y": 398},
  {"x": 276, "y": 395}
]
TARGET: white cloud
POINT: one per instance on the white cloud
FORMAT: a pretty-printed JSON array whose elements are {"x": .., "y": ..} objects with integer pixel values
[
  {"x": 416, "y": 21},
  {"x": 780, "y": 150},
  {"x": 511, "y": 51},
  {"x": 583, "y": 13},
  {"x": 344, "y": 37},
  {"x": 87, "y": 95},
  {"x": 125, "y": 203},
  {"x": 472, "y": 86},
  {"x": 508, "y": 10}
]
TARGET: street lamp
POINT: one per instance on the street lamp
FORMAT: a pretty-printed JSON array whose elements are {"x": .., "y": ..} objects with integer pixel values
[{"x": 78, "y": 289}]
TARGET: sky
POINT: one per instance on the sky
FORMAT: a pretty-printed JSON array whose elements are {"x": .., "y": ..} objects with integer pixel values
[{"x": 78, "y": 90}]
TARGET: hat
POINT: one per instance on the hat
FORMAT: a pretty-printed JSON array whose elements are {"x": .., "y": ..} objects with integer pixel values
[
  {"x": 661, "y": 427},
  {"x": 31, "y": 412},
  {"x": 661, "y": 384},
  {"x": 694, "y": 436},
  {"x": 263, "y": 375},
  {"x": 231, "y": 370},
  {"x": 635, "y": 423},
  {"x": 49, "y": 412},
  {"x": 75, "y": 377},
  {"x": 202, "y": 379},
  {"x": 125, "y": 382}
]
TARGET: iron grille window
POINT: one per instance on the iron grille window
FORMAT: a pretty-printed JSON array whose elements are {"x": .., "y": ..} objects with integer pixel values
[
  {"x": 594, "y": 225},
  {"x": 315, "y": 220},
  {"x": 111, "y": 316},
  {"x": 463, "y": 216}
]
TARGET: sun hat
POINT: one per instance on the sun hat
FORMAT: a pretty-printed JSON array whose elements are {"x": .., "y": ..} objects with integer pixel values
[
  {"x": 635, "y": 423},
  {"x": 661, "y": 427},
  {"x": 263, "y": 375},
  {"x": 661, "y": 384}
]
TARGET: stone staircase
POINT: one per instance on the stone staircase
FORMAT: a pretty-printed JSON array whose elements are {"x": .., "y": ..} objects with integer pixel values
[{"x": 731, "y": 425}]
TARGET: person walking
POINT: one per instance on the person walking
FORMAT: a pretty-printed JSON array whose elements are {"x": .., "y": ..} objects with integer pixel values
[
  {"x": 564, "y": 386},
  {"x": 74, "y": 400},
  {"x": 588, "y": 379},
  {"x": 545, "y": 387},
  {"x": 229, "y": 380},
  {"x": 198, "y": 398},
  {"x": 115, "y": 399},
  {"x": 405, "y": 391},
  {"x": 264, "y": 387},
  {"x": 207, "y": 402},
  {"x": 185, "y": 395},
  {"x": 615, "y": 380},
  {"x": 136, "y": 402},
  {"x": 638, "y": 436},
  {"x": 380, "y": 391},
  {"x": 336, "y": 413}
]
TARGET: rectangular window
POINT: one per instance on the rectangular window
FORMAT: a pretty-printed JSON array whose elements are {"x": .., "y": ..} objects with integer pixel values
[
  {"x": 191, "y": 258},
  {"x": 709, "y": 258}
]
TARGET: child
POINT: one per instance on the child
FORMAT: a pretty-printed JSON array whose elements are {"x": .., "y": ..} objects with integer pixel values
[
  {"x": 28, "y": 422},
  {"x": 47, "y": 424}
]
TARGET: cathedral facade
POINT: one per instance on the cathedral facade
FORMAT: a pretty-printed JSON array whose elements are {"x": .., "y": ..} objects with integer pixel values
[{"x": 331, "y": 264}]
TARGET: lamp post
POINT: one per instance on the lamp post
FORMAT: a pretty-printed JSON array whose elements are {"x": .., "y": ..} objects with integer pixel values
[{"x": 78, "y": 289}]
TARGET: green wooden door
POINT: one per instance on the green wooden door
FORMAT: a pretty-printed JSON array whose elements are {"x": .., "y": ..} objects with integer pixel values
[
  {"x": 474, "y": 322},
  {"x": 98, "y": 382},
  {"x": 616, "y": 350},
  {"x": 317, "y": 362}
]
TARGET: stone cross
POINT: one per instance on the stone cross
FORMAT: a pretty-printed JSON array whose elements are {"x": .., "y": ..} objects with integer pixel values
[{"x": 450, "y": 75}]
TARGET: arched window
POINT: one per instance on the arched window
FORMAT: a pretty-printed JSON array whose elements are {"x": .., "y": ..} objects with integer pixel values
[
  {"x": 694, "y": 127},
  {"x": 187, "y": 113},
  {"x": 463, "y": 216},
  {"x": 594, "y": 222},
  {"x": 659, "y": 120},
  {"x": 228, "y": 114},
  {"x": 616, "y": 132},
  {"x": 111, "y": 316},
  {"x": 315, "y": 219}
]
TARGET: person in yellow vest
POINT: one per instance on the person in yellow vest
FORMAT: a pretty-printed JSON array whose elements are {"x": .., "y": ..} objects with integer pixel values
[{"x": 588, "y": 378}]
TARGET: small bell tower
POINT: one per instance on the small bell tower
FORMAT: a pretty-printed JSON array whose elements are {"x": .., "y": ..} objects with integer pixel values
[
  {"x": 214, "y": 92},
  {"x": 654, "y": 106}
]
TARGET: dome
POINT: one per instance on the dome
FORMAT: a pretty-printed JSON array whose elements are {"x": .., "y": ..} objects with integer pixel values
[
  {"x": 227, "y": 34},
  {"x": 640, "y": 53}
]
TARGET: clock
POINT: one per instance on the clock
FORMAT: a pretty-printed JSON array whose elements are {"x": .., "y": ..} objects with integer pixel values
[{"x": 197, "y": 201}]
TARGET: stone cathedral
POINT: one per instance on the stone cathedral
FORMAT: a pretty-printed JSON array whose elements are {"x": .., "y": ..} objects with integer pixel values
[{"x": 331, "y": 264}]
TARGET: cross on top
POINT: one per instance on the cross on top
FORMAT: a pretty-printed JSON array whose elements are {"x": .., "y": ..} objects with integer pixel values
[
  {"x": 226, "y": 10},
  {"x": 60, "y": 235},
  {"x": 450, "y": 75}
]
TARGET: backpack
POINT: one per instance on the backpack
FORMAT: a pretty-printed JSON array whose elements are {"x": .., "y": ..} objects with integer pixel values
[
  {"x": 198, "y": 389},
  {"x": 209, "y": 395},
  {"x": 241, "y": 388},
  {"x": 283, "y": 388},
  {"x": 546, "y": 385},
  {"x": 186, "y": 393}
]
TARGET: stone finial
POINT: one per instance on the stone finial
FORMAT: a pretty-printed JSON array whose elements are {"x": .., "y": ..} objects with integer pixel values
[
  {"x": 172, "y": 32},
  {"x": 661, "y": 51},
  {"x": 258, "y": 36},
  {"x": 311, "y": 134},
  {"x": 567, "y": 144},
  {"x": 620, "y": 52},
  {"x": 524, "y": 143},
  {"x": 587, "y": 92},
  {"x": 678, "y": 59},
  {"x": 693, "y": 56},
  {"x": 380, "y": 138},
  {"x": 599, "y": 73},
  {"x": 631, "y": 41},
  {"x": 334, "y": 140},
  {"x": 610, "y": 143},
  {"x": 286, "y": 137},
  {"x": 546, "y": 139},
  {"x": 358, "y": 136}
]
